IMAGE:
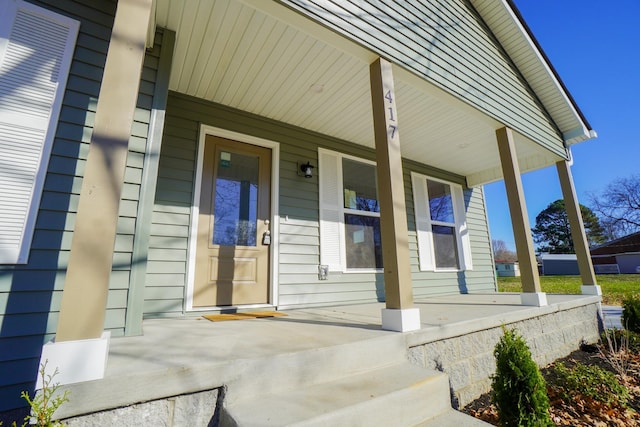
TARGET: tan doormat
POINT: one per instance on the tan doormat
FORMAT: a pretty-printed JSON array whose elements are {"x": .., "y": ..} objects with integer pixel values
[{"x": 241, "y": 316}]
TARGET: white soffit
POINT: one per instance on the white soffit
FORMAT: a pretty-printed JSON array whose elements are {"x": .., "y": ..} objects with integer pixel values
[{"x": 261, "y": 57}]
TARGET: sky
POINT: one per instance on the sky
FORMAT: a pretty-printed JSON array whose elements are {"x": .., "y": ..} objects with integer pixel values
[{"x": 594, "y": 45}]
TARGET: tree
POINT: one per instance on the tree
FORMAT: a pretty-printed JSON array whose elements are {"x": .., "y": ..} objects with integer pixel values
[
  {"x": 553, "y": 234},
  {"x": 619, "y": 206},
  {"x": 501, "y": 252}
]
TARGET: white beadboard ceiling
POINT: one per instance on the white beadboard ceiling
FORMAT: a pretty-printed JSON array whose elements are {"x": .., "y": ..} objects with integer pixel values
[{"x": 260, "y": 57}]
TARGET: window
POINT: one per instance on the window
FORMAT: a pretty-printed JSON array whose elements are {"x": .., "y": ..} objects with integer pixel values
[
  {"x": 349, "y": 213},
  {"x": 363, "y": 247},
  {"x": 36, "y": 46},
  {"x": 443, "y": 238}
]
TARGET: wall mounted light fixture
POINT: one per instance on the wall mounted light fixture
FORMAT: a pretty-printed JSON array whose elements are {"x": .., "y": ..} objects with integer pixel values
[{"x": 305, "y": 169}]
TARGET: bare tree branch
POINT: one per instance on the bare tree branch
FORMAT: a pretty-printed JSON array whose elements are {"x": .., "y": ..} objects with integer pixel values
[{"x": 619, "y": 206}]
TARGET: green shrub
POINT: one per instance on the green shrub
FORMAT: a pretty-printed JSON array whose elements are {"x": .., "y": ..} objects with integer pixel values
[
  {"x": 518, "y": 389},
  {"x": 45, "y": 403},
  {"x": 631, "y": 314},
  {"x": 591, "y": 381}
]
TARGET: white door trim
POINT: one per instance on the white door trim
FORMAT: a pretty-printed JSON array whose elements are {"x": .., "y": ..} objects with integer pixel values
[{"x": 275, "y": 217}]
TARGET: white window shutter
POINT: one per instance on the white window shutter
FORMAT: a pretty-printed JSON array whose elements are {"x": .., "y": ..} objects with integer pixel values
[
  {"x": 463, "y": 231},
  {"x": 330, "y": 210},
  {"x": 36, "y": 47},
  {"x": 423, "y": 222}
]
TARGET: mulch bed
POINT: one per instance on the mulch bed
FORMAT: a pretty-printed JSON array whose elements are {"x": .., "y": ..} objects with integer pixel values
[{"x": 582, "y": 410}]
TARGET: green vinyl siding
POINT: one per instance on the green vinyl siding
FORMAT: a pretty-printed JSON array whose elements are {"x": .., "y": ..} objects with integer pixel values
[
  {"x": 299, "y": 239},
  {"x": 30, "y": 294},
  {"x": 448, "y": 44}
]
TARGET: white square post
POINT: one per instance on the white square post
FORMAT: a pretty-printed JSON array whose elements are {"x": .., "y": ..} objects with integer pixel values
[
  {"x": 401, "y": 320},
  {"x": 76, "y": 361}
]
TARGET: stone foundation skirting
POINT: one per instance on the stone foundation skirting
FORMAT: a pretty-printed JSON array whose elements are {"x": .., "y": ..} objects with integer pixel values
[
  {"x": 469, "y": 361},
  {"x": 197, "y": 409}
]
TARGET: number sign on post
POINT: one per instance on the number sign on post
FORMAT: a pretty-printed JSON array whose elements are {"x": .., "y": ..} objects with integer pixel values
[{"x": 393, "y": 216}]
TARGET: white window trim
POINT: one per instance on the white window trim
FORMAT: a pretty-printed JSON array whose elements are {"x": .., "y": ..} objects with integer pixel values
[
  {"x": 9, "y": 9},
  {"x": 325, "y": 258},
  {"x": 424, "y": 224}
]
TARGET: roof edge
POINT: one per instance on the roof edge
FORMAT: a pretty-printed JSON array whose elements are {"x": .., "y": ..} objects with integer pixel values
[{"x": 544, "y": 56}]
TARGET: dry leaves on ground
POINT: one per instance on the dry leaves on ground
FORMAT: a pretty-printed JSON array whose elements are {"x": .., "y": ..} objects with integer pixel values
[{"x": 580, "y": 410}]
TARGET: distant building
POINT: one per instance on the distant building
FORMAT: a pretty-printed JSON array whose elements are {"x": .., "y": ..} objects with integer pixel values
[
  {"x": 559, "y": 264},
  {"x": 507, "y": 269},
  {"x": 618, "y": 256}
]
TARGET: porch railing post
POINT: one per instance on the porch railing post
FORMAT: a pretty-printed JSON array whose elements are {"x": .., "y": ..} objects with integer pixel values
[
  {"x": 532, "y": 293},
  {"x": 578, "y": 234},
  {"x": 80, "y": 348},
  {"x": 399, "y": 315}
]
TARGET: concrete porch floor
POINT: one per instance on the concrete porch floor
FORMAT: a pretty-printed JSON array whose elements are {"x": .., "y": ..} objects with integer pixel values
[
  {"x": 170, "y": 343},
  {"x": 185, "y": 355}
]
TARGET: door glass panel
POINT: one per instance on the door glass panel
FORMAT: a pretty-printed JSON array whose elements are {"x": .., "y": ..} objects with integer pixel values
[{"x": 236, "y": 200}]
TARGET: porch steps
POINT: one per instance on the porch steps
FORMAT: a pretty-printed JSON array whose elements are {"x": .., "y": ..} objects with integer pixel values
[{"x": 368, "y": 383}]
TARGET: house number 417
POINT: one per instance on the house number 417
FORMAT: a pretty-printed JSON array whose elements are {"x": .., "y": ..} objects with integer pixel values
[{"x": 391, "y": 117}]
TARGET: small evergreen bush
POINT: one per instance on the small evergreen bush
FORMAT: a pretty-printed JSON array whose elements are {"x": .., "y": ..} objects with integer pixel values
[
  {"x": 631, "y": 314},
  {"x": 518, "y": 388}
]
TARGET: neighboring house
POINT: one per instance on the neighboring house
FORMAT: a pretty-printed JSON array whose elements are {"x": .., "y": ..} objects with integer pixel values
[
  {"x": 173, "y": 180},
  {"x": 507, "y": 269},
  {"x": 618, "y": 256},
  {"x": 559, "y": 264}
]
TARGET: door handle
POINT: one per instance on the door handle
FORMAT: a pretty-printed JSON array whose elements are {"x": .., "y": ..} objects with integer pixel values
[{"x": 266, "y": 236}]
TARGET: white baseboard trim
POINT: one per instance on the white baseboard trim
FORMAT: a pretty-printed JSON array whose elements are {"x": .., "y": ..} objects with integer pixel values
[{"x": 76, "y": 361}]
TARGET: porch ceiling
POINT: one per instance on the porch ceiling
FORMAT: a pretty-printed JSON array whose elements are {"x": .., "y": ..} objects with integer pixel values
[{"x": 259, "y": 56}]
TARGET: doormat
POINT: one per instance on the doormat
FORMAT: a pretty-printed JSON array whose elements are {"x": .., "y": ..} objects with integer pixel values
[{"x": 242, "y": 316}]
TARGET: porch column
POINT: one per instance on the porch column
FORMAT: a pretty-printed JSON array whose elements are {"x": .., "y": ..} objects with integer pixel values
[
  {"x": 399, "y": 314},
  {"x": 579, "y": 236},
  {"x": 79, "y": 334},
  {"x": 532, "y": 294}
]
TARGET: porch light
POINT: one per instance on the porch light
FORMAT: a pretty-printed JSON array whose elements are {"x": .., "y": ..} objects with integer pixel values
[{"x": 307, "y": 170}]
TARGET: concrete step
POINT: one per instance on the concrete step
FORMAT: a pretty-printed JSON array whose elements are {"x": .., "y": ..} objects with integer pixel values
[
  {"x": 453, "y": 418},
  {"x": 397, "y": 395},
  {"x": 294, "y": 370}
]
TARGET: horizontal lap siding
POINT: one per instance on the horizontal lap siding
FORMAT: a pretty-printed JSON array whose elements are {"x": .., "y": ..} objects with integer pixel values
[
  {"x": 448, "y": 44},
  {"x": 298, "y": 208},
  {"x": 482, "y": 277},
  {"x": 168, "y": 242},
  {"x": 30, "y": 294}
]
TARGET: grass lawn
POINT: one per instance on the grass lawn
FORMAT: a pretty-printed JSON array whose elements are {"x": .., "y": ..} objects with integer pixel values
[{"x": 615, "y": 287}]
